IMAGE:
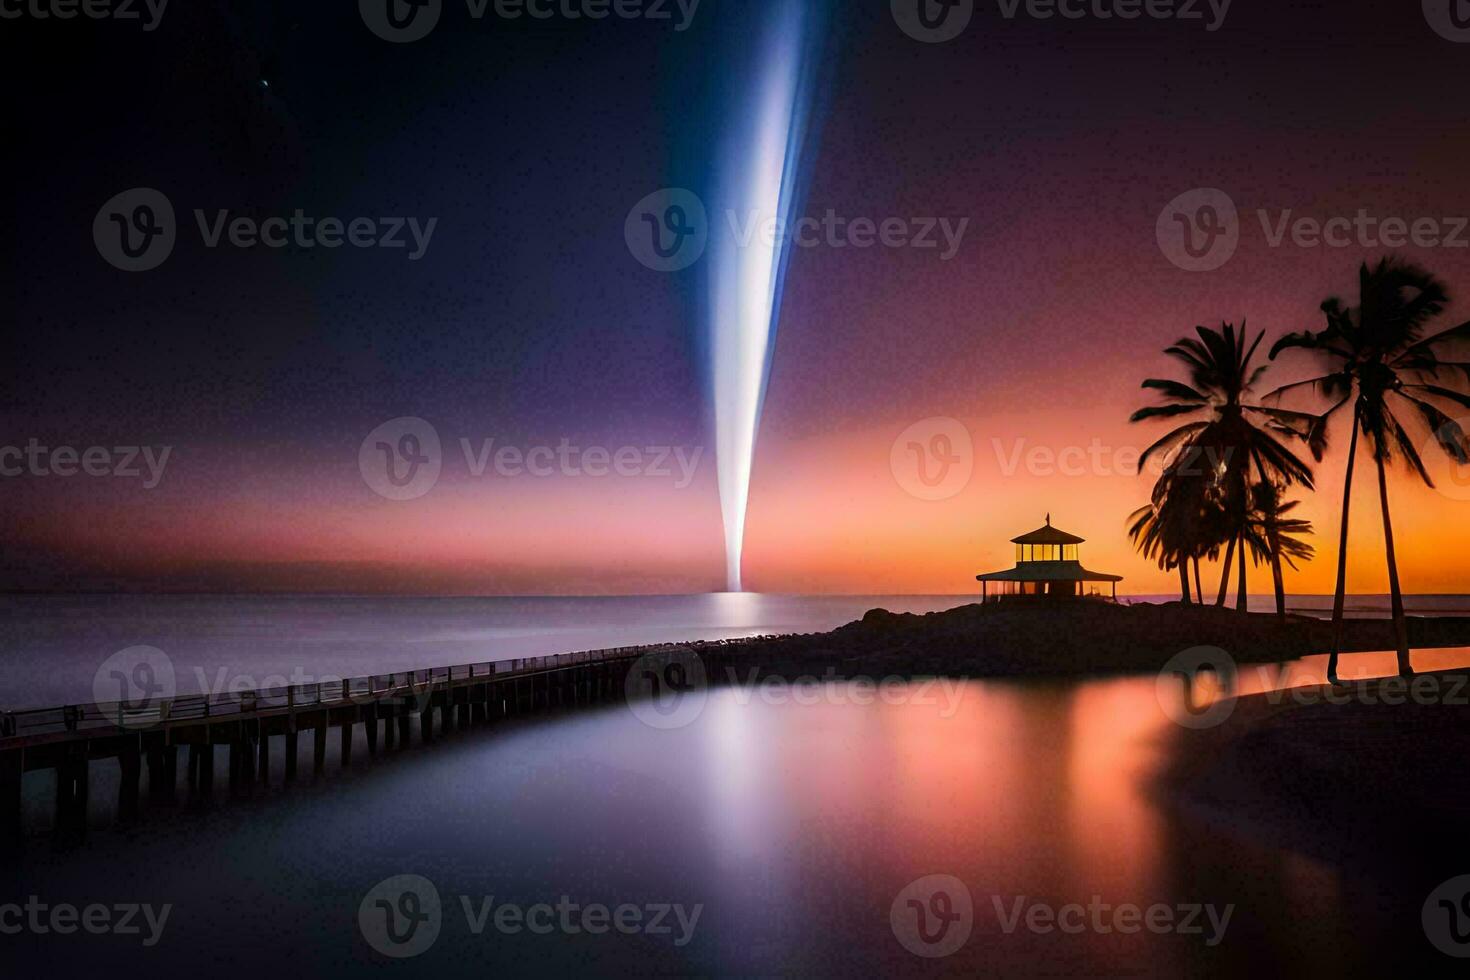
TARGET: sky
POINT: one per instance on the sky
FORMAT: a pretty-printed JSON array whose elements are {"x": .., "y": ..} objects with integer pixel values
[{"x": 1048, "y": 147}]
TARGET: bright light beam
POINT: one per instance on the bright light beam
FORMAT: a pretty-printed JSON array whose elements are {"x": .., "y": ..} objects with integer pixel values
[{"x": 759, "y": 165}]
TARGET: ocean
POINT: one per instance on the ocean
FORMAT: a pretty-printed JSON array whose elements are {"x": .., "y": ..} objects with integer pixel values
[{"x": 53, "y": 647}]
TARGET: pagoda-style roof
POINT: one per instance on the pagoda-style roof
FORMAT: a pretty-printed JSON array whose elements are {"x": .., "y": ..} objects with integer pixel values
[
  {"x": 1048, "y": 571},
  {"x": 1047, "y": 535}
]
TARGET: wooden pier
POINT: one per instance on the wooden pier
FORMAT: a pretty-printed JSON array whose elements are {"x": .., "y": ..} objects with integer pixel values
[{"x": 153, "y": 736}]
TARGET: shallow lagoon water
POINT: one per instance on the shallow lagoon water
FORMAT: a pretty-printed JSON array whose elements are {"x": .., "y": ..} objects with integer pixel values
[{"x": 792, "y": 822}]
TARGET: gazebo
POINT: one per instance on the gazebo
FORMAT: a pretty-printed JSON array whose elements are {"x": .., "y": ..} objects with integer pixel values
[{"x": 1046, "y": 565}]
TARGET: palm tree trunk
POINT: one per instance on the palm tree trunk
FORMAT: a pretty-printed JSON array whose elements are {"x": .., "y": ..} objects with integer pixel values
[
  {"x": 1400, "y": 625},
  {"x": 1225, "y": 575},
  {"x": 1198, "y": 588},
  {"x": 1277, "y": 578},
  {"x": 1184, "y": 581},
  {"x": 1273, "y": 541},
  {"x": 1342, "y": 544},
  {"x": 1240, "y": 585}
]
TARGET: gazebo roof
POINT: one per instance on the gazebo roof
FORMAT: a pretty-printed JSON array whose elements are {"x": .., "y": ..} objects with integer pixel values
[
  {"x": 1048, "y": 571},
  {"x": 1047, "y": 535}
]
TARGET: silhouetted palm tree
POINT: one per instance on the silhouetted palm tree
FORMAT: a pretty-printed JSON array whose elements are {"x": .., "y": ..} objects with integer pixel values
[
  {"x": 1222, "y": 438},
  {"x": 1380, "y": 358},
  {"x": 1151, "y": 533},
  {"x": 1274, "y": 536}
]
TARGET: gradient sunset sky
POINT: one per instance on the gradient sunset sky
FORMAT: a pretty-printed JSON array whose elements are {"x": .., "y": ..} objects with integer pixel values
[{"x": 528, "y": 320}]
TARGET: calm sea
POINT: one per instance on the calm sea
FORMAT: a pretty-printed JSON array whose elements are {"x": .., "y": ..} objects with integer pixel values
[
  {"x": 53, "y": 646},
  {"x": 795, "y": 826}
]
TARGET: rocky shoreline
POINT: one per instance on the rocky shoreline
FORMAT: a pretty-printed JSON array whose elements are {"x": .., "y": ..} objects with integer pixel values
[{"x": 1068, "y": 638}]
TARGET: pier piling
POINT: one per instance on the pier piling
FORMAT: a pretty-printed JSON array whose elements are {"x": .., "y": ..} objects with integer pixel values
[
  {"x": 66, "y": 739},
  {"x": 12, "y": 768},
  {"x": 130, "y": 765},
  {"x": 319, "y": 748}
]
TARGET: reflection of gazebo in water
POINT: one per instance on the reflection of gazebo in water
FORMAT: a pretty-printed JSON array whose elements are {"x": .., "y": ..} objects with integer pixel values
[{"x": 1046, "y": 565}]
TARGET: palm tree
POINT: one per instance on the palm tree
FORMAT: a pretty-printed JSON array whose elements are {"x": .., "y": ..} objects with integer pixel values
[
  {"x": 1380, "y": 360},
  {"x": 1168, "y": 529},
  {"x": 1221, "y": 435},
  {"x": 1151, "y": 530},
  {"x": 1274, "y": 536}
]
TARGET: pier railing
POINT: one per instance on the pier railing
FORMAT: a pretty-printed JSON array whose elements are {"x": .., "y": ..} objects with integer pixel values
[{"x": 147, "y": 713}]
